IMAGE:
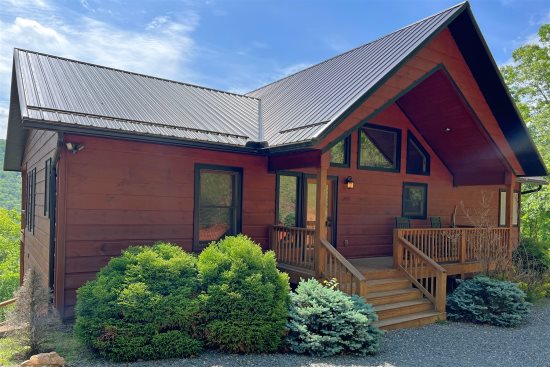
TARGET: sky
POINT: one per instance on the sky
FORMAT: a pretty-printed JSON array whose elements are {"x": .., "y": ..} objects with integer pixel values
[{"x": 236, "y": 45}]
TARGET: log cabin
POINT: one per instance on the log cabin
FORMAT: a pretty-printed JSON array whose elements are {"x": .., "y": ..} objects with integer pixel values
[{"x": 389, "y": 167}]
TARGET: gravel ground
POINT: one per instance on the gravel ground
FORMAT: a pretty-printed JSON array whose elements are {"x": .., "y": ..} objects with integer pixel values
[{"x": 443, "y": 344}]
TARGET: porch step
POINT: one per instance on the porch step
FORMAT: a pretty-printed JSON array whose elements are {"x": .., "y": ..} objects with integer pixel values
[
  {"x": 393, "y": 296},
  {"x": 376, "y": 274},
  {"x": 407, "y": 321},
  {"x": 398, "y": 309},
  {"x": 380, "y": 285}
]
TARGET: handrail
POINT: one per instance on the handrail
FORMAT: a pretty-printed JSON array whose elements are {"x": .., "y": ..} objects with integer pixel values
[
  {"x": 333, "y": 265},
  {"x": 293, "y": 246},
  {"x": 7, "y": 302},
  {"x": 426, "y": 274}
]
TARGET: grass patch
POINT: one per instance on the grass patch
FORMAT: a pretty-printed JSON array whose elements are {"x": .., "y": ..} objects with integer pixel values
[
  {"x": 65, "y": 343},
  {"x": 11, "y": 352}
]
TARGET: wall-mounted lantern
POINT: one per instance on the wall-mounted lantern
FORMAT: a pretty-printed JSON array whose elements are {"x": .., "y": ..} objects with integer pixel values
[
  {"x": 349, "y": 182},
  {"x": 74, "y": 147}
]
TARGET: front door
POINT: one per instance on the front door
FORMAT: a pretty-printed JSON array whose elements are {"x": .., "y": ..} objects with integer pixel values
[{"x": 310, "y": 192}]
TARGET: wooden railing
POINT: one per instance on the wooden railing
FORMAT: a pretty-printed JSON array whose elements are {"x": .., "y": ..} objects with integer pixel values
[
  {"x": 7, "y": 302},
  {"x": 427, "y": 275},
  {"x": 448, "y": 245},
  {"x": 293, "y": 246},
  {"x": 333, "y": 265}
]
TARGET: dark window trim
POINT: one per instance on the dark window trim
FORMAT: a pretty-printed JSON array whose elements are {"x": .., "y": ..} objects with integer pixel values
[
  {"x": 347, "y": 153},
  {"x": 416, "y": 142},
  {"x": 238, "y": 199},
  {"x": 31, "y": 200},
  {"x": 500, "y": 191},
  {"x": 47, "y": 180},
  {"x": 518, "y": 208},
  {"x": 419, "y": 184},
  {"x": 299, "y": 193},
  {"x": 397, "y": 168}
]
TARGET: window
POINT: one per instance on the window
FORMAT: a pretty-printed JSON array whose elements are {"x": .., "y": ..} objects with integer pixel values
[
  {"x": 502, "y": 208},
  {"x": 515, "y": 213},
  {"x": 415, "y": 200},
  {"x": 30, "y": 200},
  {"x": 217, "y": 203},
  {"x": 288, "y": 194},
  {"x": 339, "y": 153},
  {"x": 47, "y": 183},
  {"x": 418, "y": 160},
  {"x": 379, "y": 148}
]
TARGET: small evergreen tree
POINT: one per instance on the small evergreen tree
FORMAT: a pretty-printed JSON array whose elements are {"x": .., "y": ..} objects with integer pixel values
[
  {"x": 485, "y": 300},
  {"x": 34, "y": 315},
  {"x": 324, "y": 321}
]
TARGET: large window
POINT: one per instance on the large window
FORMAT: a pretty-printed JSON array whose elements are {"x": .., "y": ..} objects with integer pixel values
[
  {"x": 502, "y": 208},
  {"x": 217, "y": 203},
  {"x": 415, "y": 200},
  {"x": 418, "y": 160},
  {"x": 340, "y": 152},
  {"x": 47, "y": 188},
  {"x": 379, "y": 148},
  {"x": 30, "y": 200},
  {"x": 288, "y": 195}
]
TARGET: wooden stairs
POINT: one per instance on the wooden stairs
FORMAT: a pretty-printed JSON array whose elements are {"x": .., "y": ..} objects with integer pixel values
[{"x": 398, "y": 304}]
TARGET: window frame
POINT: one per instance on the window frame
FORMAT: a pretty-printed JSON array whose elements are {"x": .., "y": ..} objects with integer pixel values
[
  {"x": 299, "y": 193},
  {"x": 347, "y": 153},
  {"x": 31, "y": 200},
  {"x": 500, "y": 192},
  {"x": 417, "y": 144},
  {"x": 238, "y": 199},
  {"x": 47, "y": 189},
  {"x": 518, "y": 208},
  {"x": 425, "y": 203},
  {"x": 397, "y": 132}
]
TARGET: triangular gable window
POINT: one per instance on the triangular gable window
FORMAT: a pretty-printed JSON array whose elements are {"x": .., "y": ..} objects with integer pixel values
[{"x": 418, "y": 160}]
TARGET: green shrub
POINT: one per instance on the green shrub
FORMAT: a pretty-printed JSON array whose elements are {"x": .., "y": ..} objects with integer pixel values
[
  {"x": 533, "y": 253},
  {"x": 10, "y": 227},
  {"x": 244, "y": 304},
  {"x": 141, "y": 306},
  {"x": 324, "y": 321},
  {"x": 485, "y": 300}
]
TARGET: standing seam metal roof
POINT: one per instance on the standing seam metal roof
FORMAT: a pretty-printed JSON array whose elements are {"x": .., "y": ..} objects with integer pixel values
[{"x": 300, "y": 106}]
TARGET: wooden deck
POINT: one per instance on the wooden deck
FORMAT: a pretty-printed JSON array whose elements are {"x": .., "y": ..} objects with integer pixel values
[{"x": 407, "y": 289}]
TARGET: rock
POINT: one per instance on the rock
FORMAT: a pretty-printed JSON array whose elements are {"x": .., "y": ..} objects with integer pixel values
[{"x": 51, "y": 359}]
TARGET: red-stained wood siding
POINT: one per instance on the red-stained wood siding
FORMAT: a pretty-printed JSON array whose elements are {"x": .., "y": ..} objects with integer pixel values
[
  {"x": 122, "y": 193},
  {"x": 40, "y": 146}
]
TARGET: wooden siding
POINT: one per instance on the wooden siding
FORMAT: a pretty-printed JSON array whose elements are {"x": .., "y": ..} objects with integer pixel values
[
  {"x": 40, "y": 146},
  {"x": 121, "y": 193}
]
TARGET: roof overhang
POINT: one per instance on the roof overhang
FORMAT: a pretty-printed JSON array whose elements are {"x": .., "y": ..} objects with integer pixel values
[{"x": 536, "y": 180}]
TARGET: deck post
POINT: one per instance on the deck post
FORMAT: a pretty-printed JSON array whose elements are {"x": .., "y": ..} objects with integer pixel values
[
  {"x": 462, "y": 246},
  {"x": 396, "y": 249},
  {"x": 321, "y": 213}
]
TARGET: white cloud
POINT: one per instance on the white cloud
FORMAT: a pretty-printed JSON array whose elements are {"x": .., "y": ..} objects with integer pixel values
[{"x": 164, "y": 47}]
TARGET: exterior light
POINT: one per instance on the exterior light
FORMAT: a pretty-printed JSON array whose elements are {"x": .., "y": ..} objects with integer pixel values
[
  {"x": 349, "y": 182},
  {"x": 74, "y": 147},
  {"x": 448, "y": 130}
]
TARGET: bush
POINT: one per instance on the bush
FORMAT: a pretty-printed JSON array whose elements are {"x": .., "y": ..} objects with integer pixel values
[
  {"x": 244, "y": 304},
  {"x": 10, "y": 227},
  {"x": 485, "y": 300},
  {"x": 141, "y": 306},
  {"x": 33, "y": 316},
  {"x": 531, "y": 269},
  {"x": 324, "y": 321}
]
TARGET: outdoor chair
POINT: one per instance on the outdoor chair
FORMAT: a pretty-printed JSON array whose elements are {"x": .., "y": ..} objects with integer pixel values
[
  {"x": 402, "y": 222},
  {"x": 435, "y": 222}
]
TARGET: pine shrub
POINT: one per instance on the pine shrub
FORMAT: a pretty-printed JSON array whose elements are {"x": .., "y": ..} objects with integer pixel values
[
  {"x": 141, "y": 306},
  {"x": 324, "y": 321},
  {"x": 244, "y": 303},
  {"x": 485, "y": 300}
]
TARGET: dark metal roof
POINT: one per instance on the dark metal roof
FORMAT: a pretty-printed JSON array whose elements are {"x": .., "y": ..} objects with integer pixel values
[
  {"x": 299, "y": 107},
  {"x": 69, "y": 92}
]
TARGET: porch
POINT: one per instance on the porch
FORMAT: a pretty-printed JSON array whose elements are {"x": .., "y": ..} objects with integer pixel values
[{"x": 407, "y": 289}]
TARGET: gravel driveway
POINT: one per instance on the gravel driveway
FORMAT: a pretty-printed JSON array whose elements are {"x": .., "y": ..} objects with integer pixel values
[{"x": 444, "y": 344}]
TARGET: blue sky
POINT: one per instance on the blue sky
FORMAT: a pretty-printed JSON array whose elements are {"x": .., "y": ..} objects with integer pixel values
[{"x": 234, "y": 45}]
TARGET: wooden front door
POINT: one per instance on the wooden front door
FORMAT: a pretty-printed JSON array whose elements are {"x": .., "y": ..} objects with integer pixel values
[{"x": 310, "y": 205}]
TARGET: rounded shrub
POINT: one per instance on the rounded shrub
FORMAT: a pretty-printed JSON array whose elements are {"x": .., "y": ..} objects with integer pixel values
[
  {"x": 244, "y": 303},
  {"x": 486, "y": 300},
  {"x": 141, "y": 306},
  {"x": 324, "y": 321}
]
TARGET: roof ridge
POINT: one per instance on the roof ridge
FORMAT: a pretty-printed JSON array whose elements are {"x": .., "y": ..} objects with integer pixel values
[
  {"x": 360, "y": 46},
  {"x": 135, "y": 73}
]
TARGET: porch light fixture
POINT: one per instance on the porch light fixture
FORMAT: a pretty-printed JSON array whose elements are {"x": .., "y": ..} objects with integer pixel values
[
  {"x": 74, "y": 147},
  {"x": 349, "y": 182},
  {"x": 448, "y": 130}
]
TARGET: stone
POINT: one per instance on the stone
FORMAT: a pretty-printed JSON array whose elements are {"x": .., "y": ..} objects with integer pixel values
[{"x": 51, "y": 359}]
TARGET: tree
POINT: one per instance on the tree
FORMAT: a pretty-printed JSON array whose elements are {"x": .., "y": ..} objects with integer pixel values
[{"x": 528, "y": 79}]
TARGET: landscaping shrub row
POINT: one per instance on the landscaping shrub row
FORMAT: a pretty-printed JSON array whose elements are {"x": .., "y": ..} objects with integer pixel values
[{"x": 158, "y": 301}]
